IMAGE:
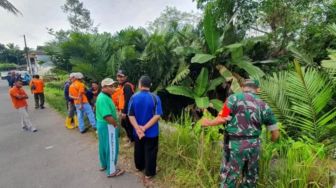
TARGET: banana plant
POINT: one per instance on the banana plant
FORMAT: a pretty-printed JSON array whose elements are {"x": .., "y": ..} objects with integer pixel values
[
  {"x": 226, "y": 58},
  {"x": 234, "y": 51},
  {"x": 213, "y": 58},
  {"x": 199, "y": 91}
]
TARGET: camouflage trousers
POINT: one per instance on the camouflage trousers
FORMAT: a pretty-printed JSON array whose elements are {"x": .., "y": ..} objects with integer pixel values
[{"x": 240, "y": 165}]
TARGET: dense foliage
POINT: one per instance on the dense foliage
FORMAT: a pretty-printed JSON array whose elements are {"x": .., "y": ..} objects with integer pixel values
[
  {"x": 194, "y": 66},
  {"x": 7, "y": 66},
  {"x": 11, "y": 54}
]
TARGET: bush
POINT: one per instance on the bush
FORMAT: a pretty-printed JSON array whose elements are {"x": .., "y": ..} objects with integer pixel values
[{"x": 7, "y": 66}]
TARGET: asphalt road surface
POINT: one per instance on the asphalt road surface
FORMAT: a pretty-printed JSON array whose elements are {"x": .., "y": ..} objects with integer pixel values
[{"x": 52, "y": 157}]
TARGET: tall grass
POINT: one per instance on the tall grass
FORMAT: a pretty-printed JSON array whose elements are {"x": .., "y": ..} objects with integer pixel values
[
  {"x": 54, "y": 94},
  {"x": 189, "y": 159},
  {"x": 186, "y": 159},
  {"x": 55, "y": 99},
  {"x": 290, "y": 163}
]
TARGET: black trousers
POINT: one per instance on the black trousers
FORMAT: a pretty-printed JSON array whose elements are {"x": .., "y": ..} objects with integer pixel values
[
  {"x": 39, "y": 100},
  {"x": 126, "y": 124},
  {"x": 145, "y": 154}
]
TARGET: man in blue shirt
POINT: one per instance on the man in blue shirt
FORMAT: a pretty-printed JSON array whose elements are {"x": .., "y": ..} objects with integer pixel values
[{"x": 144, "y": 112}]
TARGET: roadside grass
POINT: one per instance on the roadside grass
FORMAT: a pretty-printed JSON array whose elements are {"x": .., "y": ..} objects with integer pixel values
[
  {"x": 54, "y": 97},
  {"x": 187, "y": 160}
]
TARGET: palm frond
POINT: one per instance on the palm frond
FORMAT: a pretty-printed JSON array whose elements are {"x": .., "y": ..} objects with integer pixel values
[
  {"x": 301, "y": 56},
  {"x": 300, "y": 101},
  {"x": 10, "y": 7},
  {"x": 332, "y": 29},
  {"x": 309, "y": 93},
  {"x": 273, "y": 92},
  {"x": 329, "y": 65}
]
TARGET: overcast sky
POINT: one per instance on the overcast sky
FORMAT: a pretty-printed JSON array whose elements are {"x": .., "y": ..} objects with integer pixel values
[{"x": 110, "y": 15}]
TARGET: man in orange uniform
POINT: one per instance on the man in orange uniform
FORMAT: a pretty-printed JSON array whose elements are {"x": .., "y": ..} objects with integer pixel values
[
  {"x": 121, "y": 99},
  {"x": 37, "y": 88},
  {"x": 77, "y": 93},
  {"x": 19, "y": 99}
]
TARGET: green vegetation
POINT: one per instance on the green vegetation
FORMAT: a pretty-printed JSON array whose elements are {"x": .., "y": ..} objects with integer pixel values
[
  {"x": 7, "y": 66},
  {"x": 301, "y": 101},
  {"x": 11, "y": 53},
  {"x": 196, "y": 65},
  {"x": 55, "y": 97}
]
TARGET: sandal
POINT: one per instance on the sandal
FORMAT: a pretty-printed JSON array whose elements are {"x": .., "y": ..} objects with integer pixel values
[
  {"x": 118, "y": 172},
  {"x": 148, "y": 181}
]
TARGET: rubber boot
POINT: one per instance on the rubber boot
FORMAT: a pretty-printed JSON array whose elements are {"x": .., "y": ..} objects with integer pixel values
[
  {"x": 68, "y": 123},
  {"x": 75, "y": 121}
]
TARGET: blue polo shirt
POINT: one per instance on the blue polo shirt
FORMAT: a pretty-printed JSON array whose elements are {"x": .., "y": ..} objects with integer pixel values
[{"x": 142, "y": 106}]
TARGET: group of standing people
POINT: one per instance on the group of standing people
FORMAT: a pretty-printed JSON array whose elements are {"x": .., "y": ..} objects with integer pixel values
[
  {"x": 12, "y": 76},
  {"x": 116, "y": 103}
]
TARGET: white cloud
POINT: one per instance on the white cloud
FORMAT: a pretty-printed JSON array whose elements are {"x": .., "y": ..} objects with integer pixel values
[{"x": 111, "y": 15}]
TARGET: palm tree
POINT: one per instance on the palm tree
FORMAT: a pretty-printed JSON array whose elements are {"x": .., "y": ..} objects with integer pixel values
[
  {"x": 9, "y": 6},
  {"x": 301, "y": 101}
]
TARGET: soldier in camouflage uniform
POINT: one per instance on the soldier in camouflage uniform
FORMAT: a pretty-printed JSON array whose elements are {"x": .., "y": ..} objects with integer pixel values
[{"x": 244, "y": 114}]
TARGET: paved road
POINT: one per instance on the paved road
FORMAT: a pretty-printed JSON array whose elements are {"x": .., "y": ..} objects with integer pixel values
[{"x": 53, "y": 157}]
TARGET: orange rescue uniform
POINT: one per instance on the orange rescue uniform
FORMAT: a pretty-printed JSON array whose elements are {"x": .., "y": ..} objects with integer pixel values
[
  {"x": 76, "y": 90},
  {"x": 14, "y": 93},
  {"x": 37, "y": 85},
  {"x": 119, "y": 98}
]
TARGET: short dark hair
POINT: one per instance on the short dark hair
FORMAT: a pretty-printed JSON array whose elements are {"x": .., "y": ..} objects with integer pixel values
[
  {"x": 145, "y": 81},
  {"x": 95, "y": 82},
  {"x": 36, "y": 76},
  {"x": 18, "y": 80}
]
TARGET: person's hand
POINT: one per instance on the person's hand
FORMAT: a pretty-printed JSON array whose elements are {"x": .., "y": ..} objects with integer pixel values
[
  {"x": 205, "y": 122},
  {"x": 123, "y": 116},
  {"x": 143, "y": 128},
  {"x": 140, "y": 132},
  {"x": 20, "y": 96}
]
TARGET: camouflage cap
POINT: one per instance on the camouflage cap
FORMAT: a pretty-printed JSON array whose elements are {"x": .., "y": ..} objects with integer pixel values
[{"x": 252, "y": 83}]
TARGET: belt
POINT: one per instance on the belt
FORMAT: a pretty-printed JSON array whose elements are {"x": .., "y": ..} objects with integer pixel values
[{"x": 235, "y": 137}]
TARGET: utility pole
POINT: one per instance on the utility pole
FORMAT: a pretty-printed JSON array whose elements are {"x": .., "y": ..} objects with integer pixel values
[{"x": 27, "y": 58}]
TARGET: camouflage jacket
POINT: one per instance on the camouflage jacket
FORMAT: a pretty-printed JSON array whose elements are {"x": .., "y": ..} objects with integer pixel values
[{"x": 247, "y": 114}]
